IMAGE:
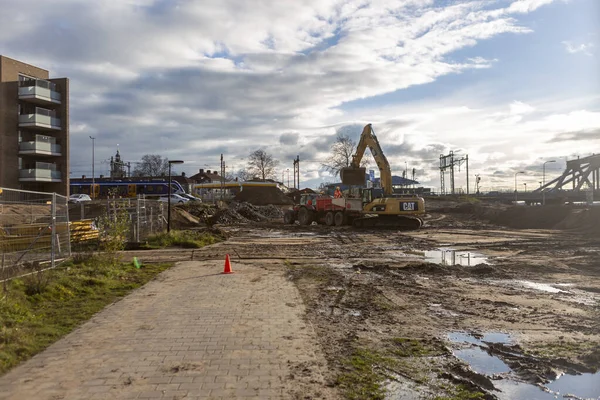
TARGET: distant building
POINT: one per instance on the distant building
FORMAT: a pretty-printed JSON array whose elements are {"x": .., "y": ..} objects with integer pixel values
[
  {"x": 397, "y": 182},
  {"x": 400, "y": 185},
  {"x": 34, "y": 128},
  {"x": 117, "y": 167},
  {"x": 186, "y": 183},
  {"x": 206, "y": 176}
]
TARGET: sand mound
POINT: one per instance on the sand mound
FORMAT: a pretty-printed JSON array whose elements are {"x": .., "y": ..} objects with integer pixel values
[{"x": 262, "y": 196}]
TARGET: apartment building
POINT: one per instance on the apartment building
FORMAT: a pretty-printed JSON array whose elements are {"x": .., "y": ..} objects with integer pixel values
[{"x": 34, "y": 128}]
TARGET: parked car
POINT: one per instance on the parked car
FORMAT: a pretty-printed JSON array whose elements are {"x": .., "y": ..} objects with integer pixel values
[
  {"x": 175, "y": 199},
  {"x": 190, "y": 197},
  {"x": 79, "y": 198}
]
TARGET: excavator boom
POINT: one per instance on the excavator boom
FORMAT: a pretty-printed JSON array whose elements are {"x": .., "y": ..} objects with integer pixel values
[{"x": 355, "y": 175}]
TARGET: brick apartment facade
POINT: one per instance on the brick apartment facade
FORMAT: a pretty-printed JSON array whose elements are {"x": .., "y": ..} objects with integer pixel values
[{"x": 34, "y": 128}]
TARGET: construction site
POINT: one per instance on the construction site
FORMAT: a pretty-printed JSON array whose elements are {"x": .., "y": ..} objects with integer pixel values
[{"x": 365, "y": 294}]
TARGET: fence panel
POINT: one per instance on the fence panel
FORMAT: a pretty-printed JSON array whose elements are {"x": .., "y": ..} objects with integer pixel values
[
  {"x": 34, "y": 230},
  {"x": 146, "y": 217}
]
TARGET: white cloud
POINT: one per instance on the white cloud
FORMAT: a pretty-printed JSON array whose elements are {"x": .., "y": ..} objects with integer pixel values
[
  {"x": 585, "y": 48},
  {"x": 192, "y": 79},
  {"x": 518, "y": 108}
]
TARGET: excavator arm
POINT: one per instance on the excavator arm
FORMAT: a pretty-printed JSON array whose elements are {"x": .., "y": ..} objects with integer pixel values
[{"x": 355, "y": 175}]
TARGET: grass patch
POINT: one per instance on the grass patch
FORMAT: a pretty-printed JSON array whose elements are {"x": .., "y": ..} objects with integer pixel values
[
  {"x": 364, "y": 373},
  {"x": 33, "y": 316},
  {"x": 185, "y": 239},
  {"x": 410, "y": 347},
  {"x": 561, "y": 349},
  {"x": 460, "y": 392}
]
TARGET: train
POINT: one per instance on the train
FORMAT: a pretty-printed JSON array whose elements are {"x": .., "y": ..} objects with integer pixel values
[{"x": 124, "y": 189}]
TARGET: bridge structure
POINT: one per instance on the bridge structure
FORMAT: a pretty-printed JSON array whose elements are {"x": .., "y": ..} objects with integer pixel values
[
  {"x": 580, "y": 174},
  {"x": 580, "y": 182}
]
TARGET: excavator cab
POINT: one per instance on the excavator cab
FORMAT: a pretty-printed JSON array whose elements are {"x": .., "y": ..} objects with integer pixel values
[{"x": 366, "y": 195}]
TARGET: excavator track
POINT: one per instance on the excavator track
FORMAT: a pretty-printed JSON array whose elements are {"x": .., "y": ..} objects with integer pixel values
[{"x": 400, "y": 222}]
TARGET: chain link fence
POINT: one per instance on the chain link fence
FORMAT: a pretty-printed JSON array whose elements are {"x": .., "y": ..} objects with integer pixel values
[{"x": 34, "y": 231}]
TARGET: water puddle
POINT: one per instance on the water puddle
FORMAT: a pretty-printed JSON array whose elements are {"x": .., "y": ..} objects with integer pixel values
[
  {"x": 481, "y": 362},
  {"x": 542, "y": 287},
  {"x": 452, "y": 257},
  {"x": 474, "y": 351}
]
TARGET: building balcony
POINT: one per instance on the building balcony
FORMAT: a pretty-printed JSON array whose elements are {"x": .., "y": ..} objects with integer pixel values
[
  {"x": 39, "y": 147},
  {"x": 40, "y": 119},
  {"x": 43, "y": 172},
  {"x": 39, "y": 91}
]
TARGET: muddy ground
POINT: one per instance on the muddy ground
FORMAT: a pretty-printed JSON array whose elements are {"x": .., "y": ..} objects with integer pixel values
[{"x": 509, "y": 314}]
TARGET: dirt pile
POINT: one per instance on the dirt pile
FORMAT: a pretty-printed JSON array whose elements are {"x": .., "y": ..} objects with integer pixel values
[
  {"x": 581, "y": 220},
  {"x": 522, "y": 217},
  {"x": 181, "y": 219},
  {"x": 202, "y": 211},
  {"x": 262, "y": 196},
  {"x": 531, "y": 217},
  {"x": 244, "y": 213}
]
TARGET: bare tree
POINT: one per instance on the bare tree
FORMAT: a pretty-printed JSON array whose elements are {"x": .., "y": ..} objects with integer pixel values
[
  {"x": 243, "y": 175},
  {"x": 262, "y": 164},
  {"x": 342, "y": 151},
  {"x": 152, "y": 165}
]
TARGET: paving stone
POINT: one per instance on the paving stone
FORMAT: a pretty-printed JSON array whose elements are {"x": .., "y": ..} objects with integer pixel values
[{"x": 202, "y": 335}]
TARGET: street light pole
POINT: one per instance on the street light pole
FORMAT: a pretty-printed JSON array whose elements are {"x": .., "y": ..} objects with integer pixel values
[
  {"x": 169, "y": 199},
  {"x": 93, "y": 191},
  {"x": 544, "y": 180},
  {"x": 516, "y": 173}
]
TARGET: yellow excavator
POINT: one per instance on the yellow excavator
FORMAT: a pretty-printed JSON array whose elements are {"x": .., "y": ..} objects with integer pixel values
[{"x": 392, "y": 211}]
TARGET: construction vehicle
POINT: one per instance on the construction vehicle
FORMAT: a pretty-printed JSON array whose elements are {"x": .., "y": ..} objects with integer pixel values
[
  {"x": 325, "y": 210},
  {"x": 388, "y": 211}
]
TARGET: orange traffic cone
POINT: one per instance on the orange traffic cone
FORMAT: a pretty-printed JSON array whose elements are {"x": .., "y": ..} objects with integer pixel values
[{"x": 227, "y": 269}]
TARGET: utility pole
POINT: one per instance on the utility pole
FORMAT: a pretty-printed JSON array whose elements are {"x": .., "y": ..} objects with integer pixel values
[
  {"x": 516, "y": 173},
  {"x": 93, "y": 191},
  {"x": 222, "y": 177},
  {"x": 297, "y": 172},
  {"x": 467, "y": 160}
]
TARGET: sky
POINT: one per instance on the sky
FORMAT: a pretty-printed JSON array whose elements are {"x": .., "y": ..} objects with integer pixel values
[{"x": 510, "y": 83}]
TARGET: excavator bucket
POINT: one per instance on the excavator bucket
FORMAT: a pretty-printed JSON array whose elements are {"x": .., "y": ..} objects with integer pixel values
[{"x": 353, "y": 176}]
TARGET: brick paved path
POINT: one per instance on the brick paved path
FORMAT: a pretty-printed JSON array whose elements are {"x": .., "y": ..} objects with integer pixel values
[{"x": 191, "y": 334}]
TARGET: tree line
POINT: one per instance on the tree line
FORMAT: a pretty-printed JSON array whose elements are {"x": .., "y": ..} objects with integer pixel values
[{"x": 261, "y": 165}]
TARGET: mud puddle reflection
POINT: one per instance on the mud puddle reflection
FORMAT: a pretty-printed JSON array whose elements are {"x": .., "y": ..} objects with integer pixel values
[
  {"x": 475, "y": 352},
  {"x": 452, "y": 257}
]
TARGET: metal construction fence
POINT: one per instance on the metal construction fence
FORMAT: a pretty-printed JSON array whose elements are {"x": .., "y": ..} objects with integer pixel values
[
  {"x": 34, "y": 230},
  {"x": 146, "y": 217}
]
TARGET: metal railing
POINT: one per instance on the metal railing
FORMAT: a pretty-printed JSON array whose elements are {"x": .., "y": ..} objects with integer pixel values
[
  {"x": 34, "y": 229},
  {"x": 40, "y": 146},
  {"x": 39, "y": 83}
]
